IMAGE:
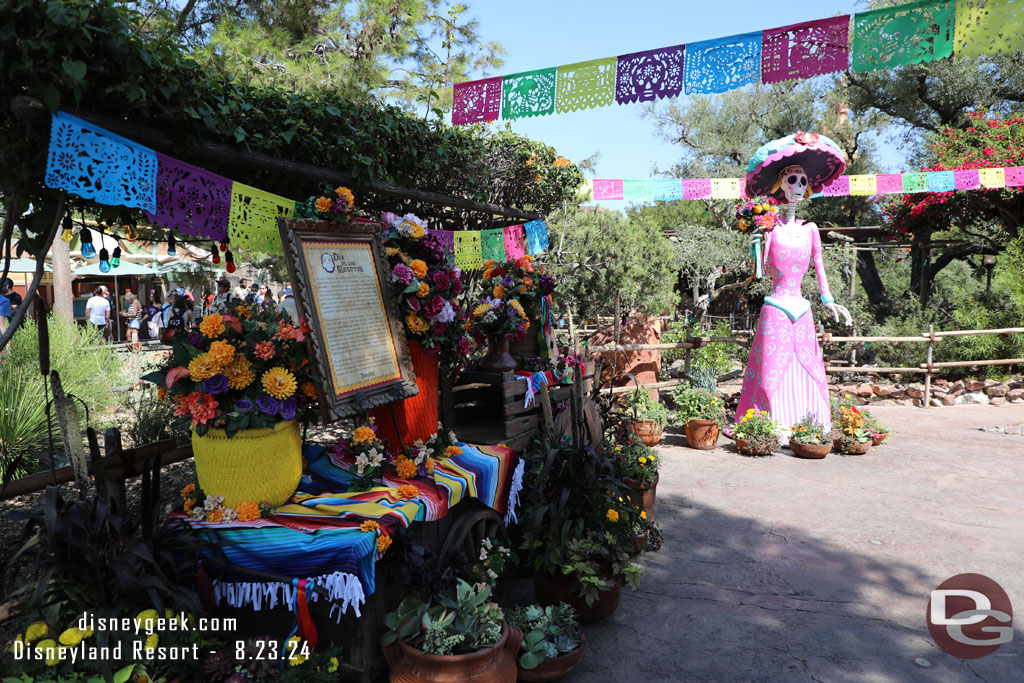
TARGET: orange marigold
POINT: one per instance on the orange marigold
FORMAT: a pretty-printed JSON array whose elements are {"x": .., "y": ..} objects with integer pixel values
[
  {"x": 161, "y": 393},
  {"x": 416, "y": 323},
  {"x": 419, "y": 268},
  {"x": 406, "y": 468},
  {"x": 383, "y": 543},
  {"x": 363, "y": 434},
  {"x": 215, "y": 515},
  {"x": 452, "y": 451},
  {"x": 323, "y": 204},
  {"x": 248, "y": 511},
  {"x": 309, "y": 389},
  {"x": 279, "y": 383},
  {"x": 498, "y": 291},
  {"x": 369, "y": 525},
  {"x": 187, "y": 490},
  {"x": 189, "y": 504},
  {"x": 407, "y": 491},
  {"x": 264, "y": 350},
  {"x": 346, "y": 194},
  {"x": 424, "y": 290},
  {"x": 212, "y": 325},
  {"x": 221, "y": 352},
  {"x": 430, "y": 465},
  {"x": 203, "y": 367},
  {"x": 239, "y": 373}
]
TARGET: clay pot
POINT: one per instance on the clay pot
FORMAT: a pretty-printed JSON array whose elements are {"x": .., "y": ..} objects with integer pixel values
[
  {"x": 496, "y": 664},
  {"x": 498, "y": 358},
  {"x": 649, "y": 431},
  {"x": 879, "y": 439},
  {"x": 748, "y": 448},
  {"x": 853, "y": 448},
  {"x": 553, "y": 669},
  {"x": 647, "y": 495},
  {"x": 810, "y": 450},
  {"x": 702, "y": 434},
  {"x": 551, "y": 590}
]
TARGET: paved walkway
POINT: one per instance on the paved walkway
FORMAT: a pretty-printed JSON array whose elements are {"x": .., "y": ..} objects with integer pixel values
[{"x": 782, "y": 569}]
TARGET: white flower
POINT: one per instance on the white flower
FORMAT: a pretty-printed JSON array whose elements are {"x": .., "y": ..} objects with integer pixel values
[
  {"x": 489, "y": 317},
  {"x": 480, "y": 586},
  {"x": 229, "y": 514},
  {"x": 362, "y": 462},
  {"x": 198, "y": 514},
  {"x": 483, "y": 553},
  {"x": 487, "y": 543},
  {"x": 375, "y": 457},
  {"x": 451, "y": 436},
  {"x": 492, "y": 574},
  {"x": 210, "y": 503}
]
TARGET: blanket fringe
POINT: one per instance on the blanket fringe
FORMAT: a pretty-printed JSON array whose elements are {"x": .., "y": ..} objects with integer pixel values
[
  {"x": 345, "y": 591},
  {"x": 513, "y": 493}
]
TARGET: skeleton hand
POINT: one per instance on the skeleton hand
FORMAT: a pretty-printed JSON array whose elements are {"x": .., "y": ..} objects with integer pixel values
[{"x": 838, "y": 310}]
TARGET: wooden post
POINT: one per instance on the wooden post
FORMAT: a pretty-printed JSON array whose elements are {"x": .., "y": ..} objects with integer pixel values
[
  {"x": 928, "y": 370},
  {"x": 618, "y": 316},
  {"x": 63, "y": 299},
  {"x": 548, "y": 426}
]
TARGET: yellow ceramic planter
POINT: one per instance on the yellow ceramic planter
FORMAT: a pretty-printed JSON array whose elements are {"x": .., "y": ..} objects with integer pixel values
[{"x": 251, "y": 466}]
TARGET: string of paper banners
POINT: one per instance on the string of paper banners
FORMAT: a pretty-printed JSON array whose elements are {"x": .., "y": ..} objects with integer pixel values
[
  {"x": 93, "y": 163},
  {"x": 882, "y": 38}
]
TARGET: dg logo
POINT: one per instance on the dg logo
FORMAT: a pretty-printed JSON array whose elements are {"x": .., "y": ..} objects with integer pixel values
[{"x": 970, "y": 616}]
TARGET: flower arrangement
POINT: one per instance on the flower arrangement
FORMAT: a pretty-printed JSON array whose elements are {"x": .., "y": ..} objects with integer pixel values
[
  {"x": 875, "y": 428},
  {"x": 759, "y": 431},
  {"x": 338, "y": 205},
  {"x": 522, "y": 279},
  {"x": 635, "y": 462},
  {"x": 850, "y": 428},
  {"x": 698, "y": 404},
  {"x": 203, "y": 508},
  {"x": 492, "y": 559},
  {"x": 367, "y": 451},
  {"x": 245, "y": 368},
  {"x": 424, "y": 455},
  {"x": 759, "y": 213},
  {"x": 809, "y": 431},
  {"x": 643, "y": 407},
  {"x": 495, "y": 317},
  {"x": 429, "y": 289}
]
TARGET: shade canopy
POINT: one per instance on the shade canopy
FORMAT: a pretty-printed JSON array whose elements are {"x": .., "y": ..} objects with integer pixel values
[
  {"x": 126, "y": 269},
  {"x": 184, "y": 267},
  {"x": 24, "y": 265}
]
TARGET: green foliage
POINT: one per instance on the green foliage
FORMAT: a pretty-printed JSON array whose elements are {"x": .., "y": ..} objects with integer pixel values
[
  {"x": 808, "y": 431},
  {"x": 757, "y": 428},
  {"x": 634, "y": 461},
  {"x": 319, "y": 667},
  {"x": 717, "y": 357},
  {"x": 547, "y": 632},
  {"x": 148, "y": 419},
  {"x": 587, "y": 560},
  {"x": 22, "y": 423},
  {"x": 642, "y": 407},
  {"x": 597, "y": 254},
  {"x": 694, "y": 403},
  {"x": 463, "y": 623}
]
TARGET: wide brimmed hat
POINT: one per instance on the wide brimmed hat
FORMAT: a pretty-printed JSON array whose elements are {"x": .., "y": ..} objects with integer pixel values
[{"x": 822, "y": 159}]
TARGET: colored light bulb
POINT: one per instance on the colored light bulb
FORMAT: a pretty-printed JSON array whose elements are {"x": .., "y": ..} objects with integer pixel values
[
  {"x": 104, "y": 261},
  {"x": 67, "y": 235},
  {"x": 115, "y": 260},
  {"x": 171, "y": 251},
  {"x": 224, "y": 245},
  {"x": 130, "y": 233},
  {"x": 88, "y": 251},
  {"x": 216, "y": 256},
  {"x": 229, "y": 262}
]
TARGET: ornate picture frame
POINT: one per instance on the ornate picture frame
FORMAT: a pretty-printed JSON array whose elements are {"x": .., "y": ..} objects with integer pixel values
[{"x": 340, "y": 283}]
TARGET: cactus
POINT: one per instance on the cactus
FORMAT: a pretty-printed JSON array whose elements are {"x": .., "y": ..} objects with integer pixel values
[{"x": 704, "y": 378}]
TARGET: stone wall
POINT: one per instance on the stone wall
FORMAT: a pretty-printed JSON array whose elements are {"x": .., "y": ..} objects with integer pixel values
[{"x": 944, "y": 393}]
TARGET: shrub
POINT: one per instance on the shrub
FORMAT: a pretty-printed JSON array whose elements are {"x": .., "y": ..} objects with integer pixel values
[{"x": 719, "y": 357}]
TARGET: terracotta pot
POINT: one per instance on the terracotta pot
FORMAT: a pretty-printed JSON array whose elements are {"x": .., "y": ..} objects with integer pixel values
[
  {"x": 647, "y": 495},
  {"x": 853, "y": 448},
  {"x": 649, "y": 431},
  {"x": 747, "y": 448},
  {"x": 551, "y": 590},
  {"x": 496, "y": 664},
  {"x": 553, "y": 669},
  {"x": 810, "y": 450},
  {"x": 702, "y": 434},
  {"x": 879, "y": 439},
  {"x": 498, "y": 358},
  {"x": 416, "y": 416},
  {"x": 639, "y": 543}
]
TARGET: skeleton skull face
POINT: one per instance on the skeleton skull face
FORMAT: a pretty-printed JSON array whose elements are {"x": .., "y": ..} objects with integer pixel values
[{"x": 793, "y": 183}]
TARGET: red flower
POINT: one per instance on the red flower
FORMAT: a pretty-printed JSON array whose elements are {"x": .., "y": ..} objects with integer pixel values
[
  {"x": 203, "y": 410},
  {"x": 264, "y": 350},
  {"x": 989, "y": 151}
]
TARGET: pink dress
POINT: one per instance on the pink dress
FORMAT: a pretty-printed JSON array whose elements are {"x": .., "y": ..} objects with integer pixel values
[{"x": 785, "y": 374}]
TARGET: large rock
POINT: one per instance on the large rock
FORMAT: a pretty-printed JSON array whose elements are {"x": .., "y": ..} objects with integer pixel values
[
  {"x": 915, "y": 390},
  {"x": 935, "y": 402},
  {"x": 941, "y": 383},
  {"x": 864, "y": 389},
  {"x": 939, "y": 391},
  {"x": 974, "y": 385},
  {"x": 949, "y": 399},
  {"x": 976, "y": 397},
  {"x": 956, "y": 387},
  {"x": 997, "y": 390},
  {"x": 1014, "y": 394},
  {"x": 991, "y": 383},
  {"x": 880, "y": 389},
  {"x": 897, "y": 393},
  {"x": 997, "y": 400}
]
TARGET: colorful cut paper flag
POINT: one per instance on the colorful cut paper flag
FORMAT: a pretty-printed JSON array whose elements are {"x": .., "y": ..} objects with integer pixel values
[
  {"x": 651, "y": 74},
  {"x": 988, "y": 27},
  {"x": 666, "y": 189},
  {"x": 1014, "y": 176},
  {"x": 806, "y": 49},
  {"x": 992, "y": 177},
  {"x": 584, "y": 85},
  {"x": 863, "y": 185},
  {"x": 467, "y": 249},
  {"x": 636, "y": 190},
  {"x": 492, "y": 245},
  {"x": 607, "y": 189},
  {"x": 96, "y": 164},
  {"x": 726, "y": 188},
  {"x": 476, "y": 101},
  {"x": 536, "y": 236},
  {"x": 191, "y": 200},
  {"x": 903, "y": 34},
  {"x": 530, "y": 93},
  {"x": 840, "y": 187},
  {"x": 889, "y": 183},
  {"x": 721, "y": 64},
  {"x": 940, "y": 181},
  {"x": 515, "y": 242},
  {"x": 252, "y": 219},
  {"x": 915, "y": 182},
  {"x": 967, "y": 179},
  {"x": 697, "y": 188}
]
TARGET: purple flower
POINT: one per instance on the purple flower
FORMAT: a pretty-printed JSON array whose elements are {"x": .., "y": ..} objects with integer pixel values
[
  {"x": 195, "y": 339},
  {"x": 547, "y": 284},
  {"x": 268, "y": 405},
  {"x": 512, "y": 312},
  {"x": 507, "y": 281},
  {"x": 402, "y": 273},
  {"x": 433, "y": 306},
  {"x": 243, "y": 405},
  {"x": 441, "y": 280},
  {"x": 289, "y": 408},
  {"x": 339, "y": 206},
  {"x": 414, "y": 303},
  {"x": 440, "y": 328},
  {"x": 389, "y": 217},
  {"x": 431, "y": 249},
  {"x": 217, "y": 384}
]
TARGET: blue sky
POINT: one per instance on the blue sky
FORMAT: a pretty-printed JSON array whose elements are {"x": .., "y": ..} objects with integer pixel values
[{"x": 546, "y": 33}]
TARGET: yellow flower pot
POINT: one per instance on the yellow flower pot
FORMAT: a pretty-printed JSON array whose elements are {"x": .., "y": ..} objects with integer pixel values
[{"x": 252, "y": 466}]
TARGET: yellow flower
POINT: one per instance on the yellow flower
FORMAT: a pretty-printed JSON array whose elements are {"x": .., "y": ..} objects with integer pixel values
[
  {"x": 215, "y": 515},
  {"x": 406, "y": 468},
  {"x": 147, "y": 618},
  {"x": 407, "y": 491},
  {"x": 363, "y": 434},
  {"x": 416, "y": 323},
  {"x": 643, "y": 514},
  {"x": 498, "y": 291},
  {"x": 383, "y": 543},
  {"x": 323, "y": 204},
  {"x": 430, "y": 465},
  {"x": 480, "y": 310},
  {"x": 332, "y": 664},
  {"x": 419, "y": 268},
  {"x": 369, "y": 525},
  {"x": 642, "y": 459},
  {"x": 296, "y": 660},
  {"x": 43, "y": 645},
  {"x": 514, "y": 303},
  {"x": 221, "y": 352},
  {"x": 390, "y": 251},
  {"x": 279, "y": 383},
  {"x": 346, "y": 194},
  {"x": 612, "y": 515},
  {"x": 239, "y": 373},
  {"x": 212, "y": 325},
  {"x": 36, "y": 631},
  {"x": 71, "y": 637},
  {"x": 203, "y": 367},
  {"x": 187, "y": 490},
  {"x": 152, "y": 641},
  {"x": 417, "y": 232},
  {"x": 423, "y": 291}
]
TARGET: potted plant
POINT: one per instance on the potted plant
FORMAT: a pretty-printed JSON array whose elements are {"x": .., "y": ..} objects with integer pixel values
[
  {"x": 532, "y": 286},
  {"x": 879, "y": 432},
  {"x": 809, "y": 440},
  {"x": 648, "y": 417},
  {"x": 243, "y": 381},
  {"x": 637, "y": 465},
  {"x": 702, "y": 415},
  {"x": 552, "y": 641},
  {"x": 462, "y": 638},
  {"x": 756, "y": 433},
  {"x": 850, "y": 436}
]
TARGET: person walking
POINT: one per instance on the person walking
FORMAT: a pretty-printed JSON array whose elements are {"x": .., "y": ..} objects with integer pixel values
[
  {"x": 153, "y": 319},
  {"x": 133, "y": 313},
  {"x": 7, "y": 291},
  {"x": 97, "y": 311},
  {"x": 180, "y": 318},
  {"x": 242, "y": 290},
  {"x": 288, "y": 306}
]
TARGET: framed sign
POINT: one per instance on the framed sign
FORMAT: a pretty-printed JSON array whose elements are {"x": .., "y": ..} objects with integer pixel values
[{"x": 339, "y": 280}]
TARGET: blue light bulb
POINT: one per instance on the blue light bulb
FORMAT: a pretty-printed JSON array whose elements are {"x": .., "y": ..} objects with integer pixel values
[
  {"x": 88, "y": 251},
  {"x": 115, "y": 261},
  {"x": 104, "y": 261},
  {"x": 171, "y": 251}
]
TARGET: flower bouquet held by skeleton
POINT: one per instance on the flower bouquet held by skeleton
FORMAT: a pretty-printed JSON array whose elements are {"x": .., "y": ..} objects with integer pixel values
[{"x": 757, "y": 216}]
